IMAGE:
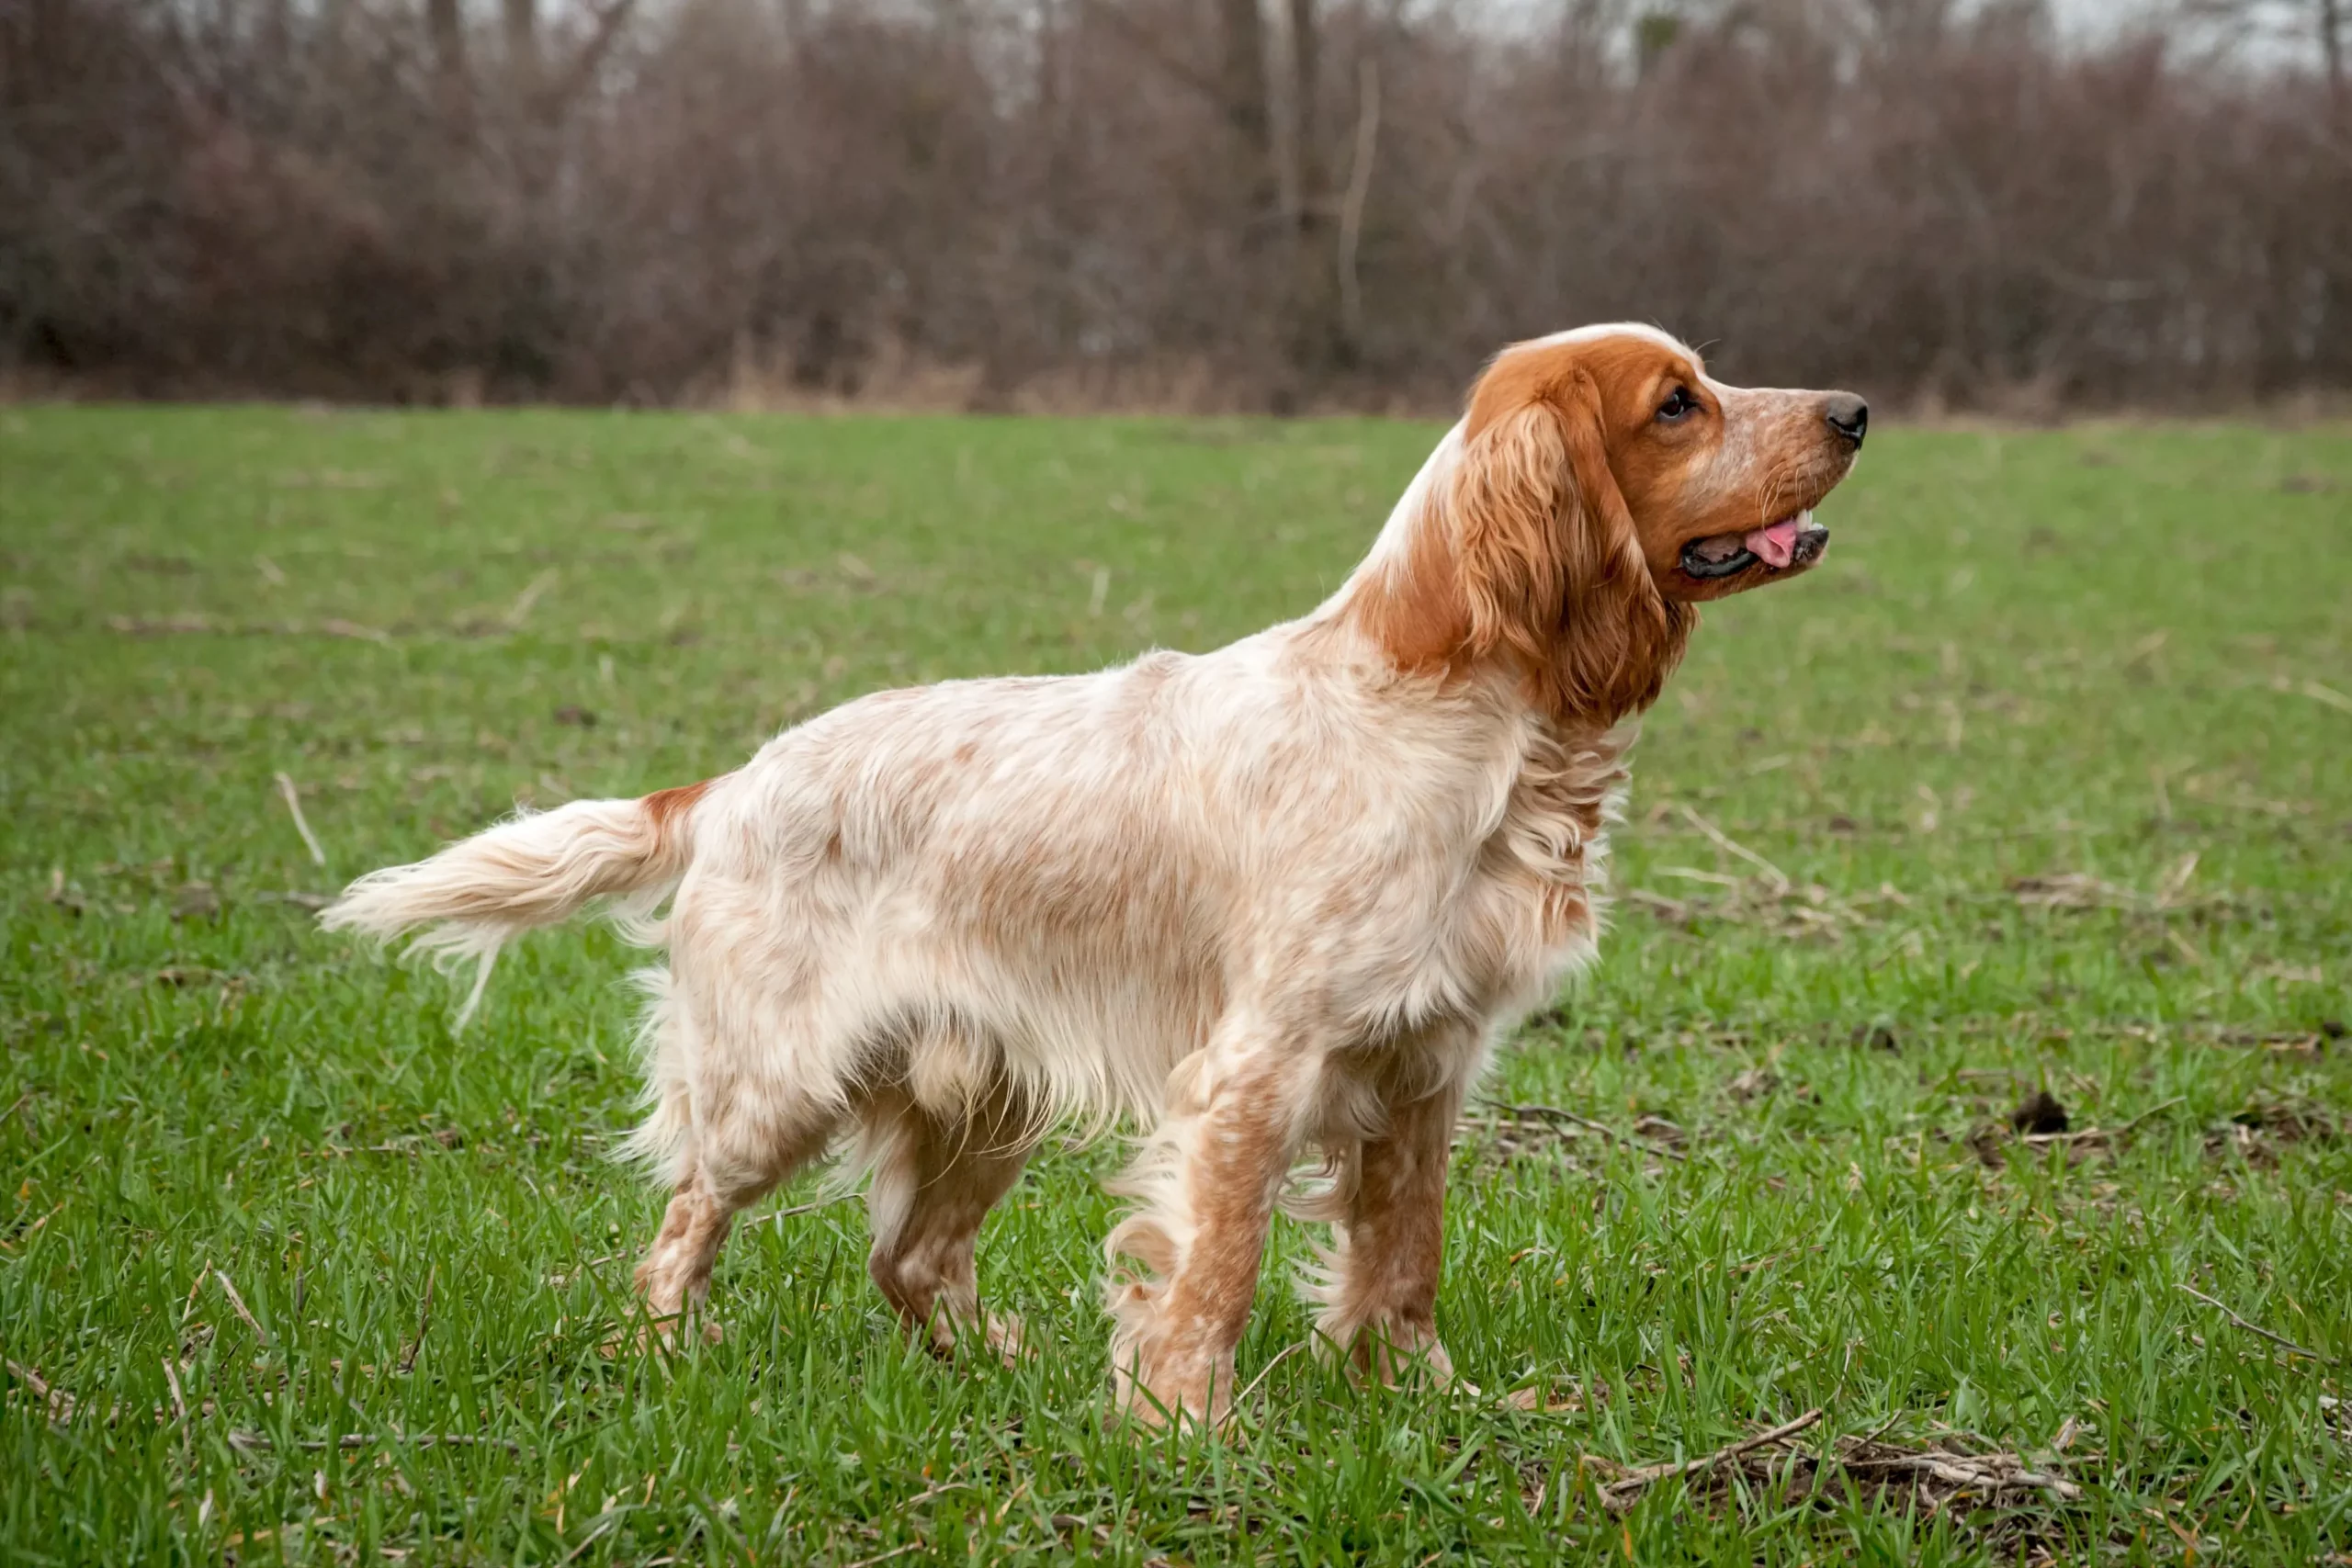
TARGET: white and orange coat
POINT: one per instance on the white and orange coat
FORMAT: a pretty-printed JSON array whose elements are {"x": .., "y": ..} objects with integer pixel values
[{"x": 1275, "y": 899}]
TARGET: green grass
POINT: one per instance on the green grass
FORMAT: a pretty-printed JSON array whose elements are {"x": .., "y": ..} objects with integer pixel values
[{"x": 2092, "y": 654}]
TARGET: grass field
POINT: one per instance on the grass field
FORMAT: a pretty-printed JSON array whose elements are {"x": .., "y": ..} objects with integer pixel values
[{"x": 2041, "y": 783}]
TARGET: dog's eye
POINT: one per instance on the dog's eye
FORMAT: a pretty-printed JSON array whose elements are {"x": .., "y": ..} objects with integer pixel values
[{"x": 1677, "y": 403}]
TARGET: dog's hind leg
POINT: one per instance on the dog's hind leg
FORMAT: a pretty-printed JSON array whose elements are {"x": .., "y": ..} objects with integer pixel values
[
  {"x": 729, "y": 1138},
  {"x": 675, "y": 1275},
  {"x": 674, "y": 1279},
  {"x": 936, "y": 1175}
]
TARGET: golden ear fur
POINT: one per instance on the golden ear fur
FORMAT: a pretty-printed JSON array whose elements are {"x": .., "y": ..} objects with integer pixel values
[{"x": 1550, "y": 569}]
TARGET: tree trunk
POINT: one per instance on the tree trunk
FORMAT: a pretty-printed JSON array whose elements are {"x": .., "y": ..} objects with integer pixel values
[
  {"x": 1318, "y": 334},
  {"x": 1306, "y": 66},
  {"x": 1242, "y": 82},
  {"x": 445, "y": 24},
  {"x": 1360, "y": 165},
  {"x": 446, "y": 27},
  {"x": 2331, "y": 49},
  {"x": 523, "y": 46}
]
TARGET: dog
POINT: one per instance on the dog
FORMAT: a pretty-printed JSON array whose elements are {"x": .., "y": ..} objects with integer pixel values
[{"x": 1278, "y": 897}]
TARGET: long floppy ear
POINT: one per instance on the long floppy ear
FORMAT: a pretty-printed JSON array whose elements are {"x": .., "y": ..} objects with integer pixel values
[{"x": 1550, "y": 568}]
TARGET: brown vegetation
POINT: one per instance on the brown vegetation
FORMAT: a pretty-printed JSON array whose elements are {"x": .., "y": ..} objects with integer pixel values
[{"x": 1213, "y": 202}]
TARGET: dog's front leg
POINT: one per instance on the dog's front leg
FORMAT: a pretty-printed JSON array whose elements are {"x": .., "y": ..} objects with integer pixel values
[
  {"x": 1380, "y": 1300},
  {"x": 1208, "y": 1178}
]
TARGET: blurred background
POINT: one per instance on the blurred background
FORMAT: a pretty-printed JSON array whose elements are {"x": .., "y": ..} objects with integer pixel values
[{"x": 1242, "y": 205}]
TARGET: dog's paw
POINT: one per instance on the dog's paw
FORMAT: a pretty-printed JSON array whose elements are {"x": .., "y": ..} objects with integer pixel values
[
  {"x": 1397, "y": 1356},
  {"x": 635, "y": 1341},
  {"x": 660, "y": 1334},
  {"x": 1007, "y": 1337},
  {"x": 1194, "y": 1393}
]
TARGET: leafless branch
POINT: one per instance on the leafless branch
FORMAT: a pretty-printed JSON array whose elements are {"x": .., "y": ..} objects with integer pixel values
[
  {"x": 1627, "y": 1489},
  {"x": 1557, "y": 1114},
  {"x": 1358, "y": 188},
  {"x": 2256, "y": 1328}
]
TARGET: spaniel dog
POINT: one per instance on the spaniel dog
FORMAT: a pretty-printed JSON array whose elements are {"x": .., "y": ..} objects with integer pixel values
[{"x": 1280, "y": 897}]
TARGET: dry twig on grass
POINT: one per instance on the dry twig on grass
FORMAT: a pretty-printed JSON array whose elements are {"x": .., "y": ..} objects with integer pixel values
[
  {"x": 1723, "y": 842},
  {"x": 1987, "y": 1141},
  {"x": 810, "y": 1207},
  {"x": 261, "y": 1443},
  {"x": 2080, "y": 890},
  {"x": 1934, "y": 1476},
  {"x": 1552, "y": 1116},
  {"x": 424, "y": 1322},
  {"x": 59, "y": 1404},
  {"x": 238, "y": 1302},
  {"x": 2256, "y": 1328},
  {"x": 2103, "y": 1135},
  {"x": 1992, "y": 1474},
  {"x": 1285, "y": 1354},
  {"x": 1767, "y": 899},
  {"x": 1627, "y": 1489},
  {"x": 171, "y": 1379},
  {"x": 293, "y": 798},
  {"x": 520, "y": 611}
]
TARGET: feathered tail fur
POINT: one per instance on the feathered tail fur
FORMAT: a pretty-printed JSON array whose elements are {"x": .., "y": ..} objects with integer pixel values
[{"x": 534, "y": 870}]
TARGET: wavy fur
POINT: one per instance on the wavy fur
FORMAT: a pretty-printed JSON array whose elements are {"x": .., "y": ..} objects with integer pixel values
[{"x": 1276, "y": 899}]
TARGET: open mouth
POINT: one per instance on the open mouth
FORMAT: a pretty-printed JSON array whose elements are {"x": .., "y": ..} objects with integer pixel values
[{"x": 1794, "y": 541}]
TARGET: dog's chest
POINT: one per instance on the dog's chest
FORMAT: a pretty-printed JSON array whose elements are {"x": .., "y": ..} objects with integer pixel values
[{"x": 1531, "y": 915}]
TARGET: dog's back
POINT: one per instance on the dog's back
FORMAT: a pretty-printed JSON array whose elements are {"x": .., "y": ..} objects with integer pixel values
[{"x": 1280, "y": 894}]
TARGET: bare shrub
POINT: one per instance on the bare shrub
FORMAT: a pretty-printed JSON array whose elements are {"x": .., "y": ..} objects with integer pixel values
[{"x": 1223, "y": 203}]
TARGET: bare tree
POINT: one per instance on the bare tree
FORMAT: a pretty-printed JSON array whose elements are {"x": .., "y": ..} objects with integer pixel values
[
  {"x": 445, "y": 23},
  {"x": 1241, "y": 79},
  {"x": 2331, "y": 48},
  {"x": 522, "y": 19},
  {"x": 1240, "y": 202}
]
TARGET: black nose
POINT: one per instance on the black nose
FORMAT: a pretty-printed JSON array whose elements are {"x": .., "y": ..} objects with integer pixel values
[{"x": 1848, "y": 415}]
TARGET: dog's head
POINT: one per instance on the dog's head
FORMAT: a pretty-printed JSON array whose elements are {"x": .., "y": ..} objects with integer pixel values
[{"x": 1601, "y": 484}]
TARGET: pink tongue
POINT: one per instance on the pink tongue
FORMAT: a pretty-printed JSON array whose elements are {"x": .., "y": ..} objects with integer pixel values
[{"x": 1776, "y": 546}]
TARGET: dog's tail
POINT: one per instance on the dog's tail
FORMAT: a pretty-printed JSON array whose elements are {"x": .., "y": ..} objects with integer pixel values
[{"x": 535, "y": 870}]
